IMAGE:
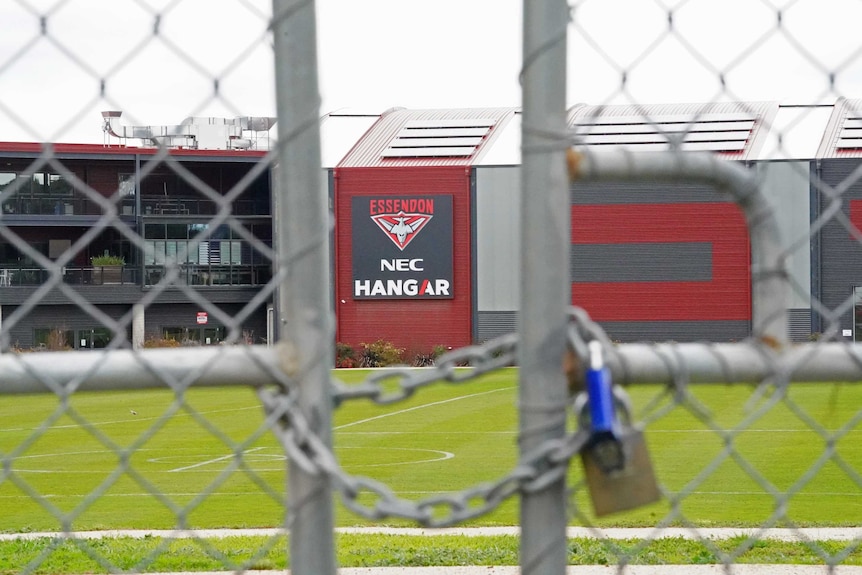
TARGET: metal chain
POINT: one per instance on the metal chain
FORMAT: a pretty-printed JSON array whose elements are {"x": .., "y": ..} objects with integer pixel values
[
  {"x": 457, "y": 366},
  {"x": 534, "y": 472}
]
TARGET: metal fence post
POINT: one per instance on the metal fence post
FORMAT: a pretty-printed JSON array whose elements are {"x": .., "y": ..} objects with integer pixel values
[
  {"x": 545, "y": 283},
  {"x": 302, "y": 238}
]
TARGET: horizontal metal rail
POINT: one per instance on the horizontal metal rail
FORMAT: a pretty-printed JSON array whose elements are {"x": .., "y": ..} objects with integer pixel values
[{"x": 258, "y": 366}]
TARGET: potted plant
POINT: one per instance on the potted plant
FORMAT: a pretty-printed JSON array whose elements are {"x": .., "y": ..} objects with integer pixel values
[{"x": 108, "y": 268}]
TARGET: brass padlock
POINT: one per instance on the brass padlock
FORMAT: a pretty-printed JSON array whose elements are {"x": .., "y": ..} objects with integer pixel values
[{"x": 629, "y": 487}]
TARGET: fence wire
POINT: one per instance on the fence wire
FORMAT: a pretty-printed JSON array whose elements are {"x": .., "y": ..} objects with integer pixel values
[{"x": 252, "y": 261}]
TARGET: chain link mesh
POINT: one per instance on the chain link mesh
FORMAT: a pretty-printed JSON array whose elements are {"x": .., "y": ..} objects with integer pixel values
[{"x": 623, "y": 58}]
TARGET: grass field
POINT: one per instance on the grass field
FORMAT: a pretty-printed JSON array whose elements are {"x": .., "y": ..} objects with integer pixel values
[{"x": 444, "y": 439}]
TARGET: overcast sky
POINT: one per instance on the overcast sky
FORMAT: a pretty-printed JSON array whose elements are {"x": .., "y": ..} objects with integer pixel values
[{"x": 378, "y": 54}]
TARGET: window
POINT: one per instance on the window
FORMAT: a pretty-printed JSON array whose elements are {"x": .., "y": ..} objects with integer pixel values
[
  {"x": 48, "y": 184},
  {"x": 126, "y": 186},
  {"x": 207, "y": 335},
  {"x": 53, "y": 338},
  {"x": 857, "y": 313}
]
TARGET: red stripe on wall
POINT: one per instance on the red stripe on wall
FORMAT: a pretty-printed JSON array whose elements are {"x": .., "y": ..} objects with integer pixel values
[
  {"x": 856, "y": 217},
  {"x": 416, "y": 325},
  {"x": 726, "y": 297}
]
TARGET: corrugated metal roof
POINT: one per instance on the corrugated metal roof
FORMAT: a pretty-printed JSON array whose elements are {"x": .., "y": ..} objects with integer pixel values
[
  {"x": 428, "y": 137},
  {"x": 730, "y": 128},
  {"x": 843, "y": 134}
]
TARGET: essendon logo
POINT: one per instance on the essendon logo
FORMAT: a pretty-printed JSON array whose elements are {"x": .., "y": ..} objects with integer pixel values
[
  {"x": 422, "y": 271},
  {"x": 402, "y": 227}
]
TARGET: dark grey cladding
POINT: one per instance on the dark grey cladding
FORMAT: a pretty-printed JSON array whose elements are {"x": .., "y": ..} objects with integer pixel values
[{"x": 642, "y": 262}]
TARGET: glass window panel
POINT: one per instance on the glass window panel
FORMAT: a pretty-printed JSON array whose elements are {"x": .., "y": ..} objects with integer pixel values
[
  {"x": 171, "y": 251},
  {"x": 160, "y": 253},
  {"x": 58, "y": 185},
  {"x": 236, "y": 253},
  {"x": 149, "y": 253},
  {"x": 177, "y": 231},
  {"x": 224, "y": 253},
  {"x": 38, "y": 184},
  {"x": 192, "y": 255},
  {"x": 127, "y": 185},
  {"x": 213, "y": 335},
  {"x": 154, "y": 231},
  {"x": 100, "y": 337},
  {"x": 54, "y": 338},
  {"x": 183, "y": 335}
]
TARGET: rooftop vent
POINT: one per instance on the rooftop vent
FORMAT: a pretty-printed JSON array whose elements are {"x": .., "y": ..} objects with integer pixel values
[
  {"x": 728, "y": 132},
  {"x": 439, "y": 138}
]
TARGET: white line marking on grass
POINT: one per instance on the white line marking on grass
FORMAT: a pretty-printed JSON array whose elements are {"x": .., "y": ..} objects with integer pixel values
[
  {"x": 414, "y": 408},
  {"x": 443, "y": 456},
  {"x": 131, "y": 418},
  {"x": 211, "y": 461}
]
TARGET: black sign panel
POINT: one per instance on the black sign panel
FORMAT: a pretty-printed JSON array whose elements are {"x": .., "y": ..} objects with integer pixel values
[{"x": 402, "y": 247}]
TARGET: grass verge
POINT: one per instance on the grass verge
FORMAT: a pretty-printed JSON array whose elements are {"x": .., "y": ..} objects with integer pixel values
[{"x": 159, "y": 555}]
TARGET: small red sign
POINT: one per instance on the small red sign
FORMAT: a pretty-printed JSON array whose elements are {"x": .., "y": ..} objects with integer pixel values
[{"x": 202, "y": 317}]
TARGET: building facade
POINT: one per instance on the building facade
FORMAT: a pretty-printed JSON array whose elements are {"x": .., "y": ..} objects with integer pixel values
[{"x": 425, "y": 243}]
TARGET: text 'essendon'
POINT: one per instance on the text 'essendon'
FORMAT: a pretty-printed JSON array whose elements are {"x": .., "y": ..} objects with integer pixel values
[{"x": 395, "y": 205}]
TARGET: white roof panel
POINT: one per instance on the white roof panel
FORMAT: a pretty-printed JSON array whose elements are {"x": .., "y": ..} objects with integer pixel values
[
  {"x": 505, "y": 150},
  {"x": 339, "y": 133},
  {"x": 795, "y": 133}
]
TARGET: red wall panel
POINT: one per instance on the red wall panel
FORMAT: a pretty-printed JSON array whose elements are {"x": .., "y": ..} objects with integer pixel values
[
  {"x": 417, "y": 325},
  {"x": 726, "y": 297}
]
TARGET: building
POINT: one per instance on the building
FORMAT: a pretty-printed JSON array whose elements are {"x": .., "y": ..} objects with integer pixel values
[
  {"x": 58, "y": 200},
  {"x": 425, "y": 244}
]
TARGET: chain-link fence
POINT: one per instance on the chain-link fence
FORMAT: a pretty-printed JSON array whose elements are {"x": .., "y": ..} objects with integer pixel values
[{"x": 200, "y": 255}]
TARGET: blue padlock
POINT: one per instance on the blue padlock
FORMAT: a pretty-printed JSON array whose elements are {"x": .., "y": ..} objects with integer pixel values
[{"x": 604, "y": 442}]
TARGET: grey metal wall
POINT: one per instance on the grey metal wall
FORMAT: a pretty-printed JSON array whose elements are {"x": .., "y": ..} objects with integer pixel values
[
  {"x": 787, "y": 184},
  {"x": 161, "y": 316},
  {"x": 63, "y": 317},
  {"x": 158, "y": 316},
  {"x": 840, "y": 254}
]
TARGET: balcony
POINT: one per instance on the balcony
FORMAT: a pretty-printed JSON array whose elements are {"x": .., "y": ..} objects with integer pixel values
[
  {"x": 151, "y": 206},
  {"x": 194, "y": 275}
]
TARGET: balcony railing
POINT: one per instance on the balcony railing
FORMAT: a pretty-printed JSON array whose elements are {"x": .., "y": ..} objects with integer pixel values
[
  {"x": 195, "y": 275},
  {"x": 151, "y": 207},
  {"x": 213, "y": 275}
]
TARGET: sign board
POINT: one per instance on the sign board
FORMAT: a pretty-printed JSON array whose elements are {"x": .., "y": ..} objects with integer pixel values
[
  {"x": 402, "y": 247},
  {"x": 202, "y": 317}
]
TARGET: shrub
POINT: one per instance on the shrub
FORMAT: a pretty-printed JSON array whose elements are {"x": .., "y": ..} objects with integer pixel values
[
  {"x": 430, "y": 358},
  {"x": 57, "y": 340},
  {"x": 107, "y": 260},
  {"x": 152, "y": 342},
  {"x": 380, "y": 354},
  {"x": 344, "y": 355}
]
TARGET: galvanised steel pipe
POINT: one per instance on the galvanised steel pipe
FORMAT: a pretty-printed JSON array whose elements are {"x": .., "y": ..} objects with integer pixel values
[
  {"x": 545, "y": 288},
  {"x": 259, "y": 366},
  {"x": 301, "y": 230}
]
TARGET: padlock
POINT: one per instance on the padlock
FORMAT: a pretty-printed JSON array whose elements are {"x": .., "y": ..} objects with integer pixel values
[
  {"x": 632, "y": 486},
  {"x": 617, "y": 466}
]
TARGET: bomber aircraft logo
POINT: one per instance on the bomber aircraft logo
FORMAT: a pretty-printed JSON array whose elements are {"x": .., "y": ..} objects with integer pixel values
[{"x": 401, "y": 228}]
